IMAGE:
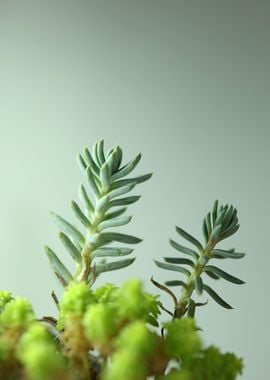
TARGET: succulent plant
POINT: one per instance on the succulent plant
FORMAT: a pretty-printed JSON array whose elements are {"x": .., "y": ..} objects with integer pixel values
[
  {"x": 103, "y": 210},
  {"x": 218, "y": 225},
  {"x": 114, "y": 332}
]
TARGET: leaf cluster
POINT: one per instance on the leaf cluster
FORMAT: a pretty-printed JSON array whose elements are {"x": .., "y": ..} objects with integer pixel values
[
  {"x": 218, "y": 225},
  {"x": 99, "y": 214},
  {"x": 110, "y": 332},
  {"x": 96, "y": 336}
]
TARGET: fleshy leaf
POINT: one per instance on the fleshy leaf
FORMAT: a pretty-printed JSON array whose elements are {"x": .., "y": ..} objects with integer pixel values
[
  {"x": 117, "y": 160},
  {"x": 114, "y": 214},
  {"x": 179, "y": 260},
  {"x": 70, "y": 230},
  {"x": 112, "y": 160},
  {"x": 198, "y": 285},
  {"x": 82, "y": 163},
  {"x": 100, "y": 151},
  {"x": 183, "y": 249},
  {"x": 113, "y": 266},
  {"x": 111, "y": 251},
  {"x": 108, "y": 237},
  {"x": 115, "y": 222},
  {"x": 191, "y": 308},
  {"x": 173, "y": 267},
  {"x": 92, "y": 182},
  {"x": 85, "y": 199},
  {"x": 58, "y": 267},
  {"x": 223, "y": 254},
  {"x": 127, "y": 168},
  {"x": 70, "y": 247},
  {"x": 211, "y": 275},
  {"x": 176, "y": 283},
  {"x": 80, "y": 215},
  {"x": 124, "y": 201},
  {"x": 105, "y": 175},
  {"x": 189, "y": 238},
  {"x": 216, "y": 297},
  {"x": 95, "y": 155},
  {"x": 214, "y": 212},
  {"x": 216, "y": 233},
  {"x": 207, "y": 226},
  {"x": 90, "y": 161},
  {"x": 128, "y": 181},
  {"x": 120, "y": 191},
  {"x": 221, "y": 273}
]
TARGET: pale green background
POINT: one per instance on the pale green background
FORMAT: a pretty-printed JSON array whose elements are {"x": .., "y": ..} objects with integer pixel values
[{"x": 184, "y": 82}]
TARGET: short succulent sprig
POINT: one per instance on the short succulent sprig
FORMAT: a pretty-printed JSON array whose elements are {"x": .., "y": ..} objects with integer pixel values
[
  {"x": 218, "y": 225},
  {"x": 107, "y": 180}
]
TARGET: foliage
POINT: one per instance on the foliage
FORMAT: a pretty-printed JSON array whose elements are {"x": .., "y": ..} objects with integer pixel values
[
  {"x": 39, "y": 354},
  {"x": 106, "y": 178},
  {"x": 217, "y": 226},
  {"x": 110, "y": 332}
]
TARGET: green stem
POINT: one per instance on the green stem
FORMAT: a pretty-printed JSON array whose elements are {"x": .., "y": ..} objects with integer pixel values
[
  {"x": 200, "y": 264},
  {"x": 85, "y": 269}
]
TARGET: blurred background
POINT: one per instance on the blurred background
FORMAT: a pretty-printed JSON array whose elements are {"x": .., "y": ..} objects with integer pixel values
[{"x": 184, "y": 82}]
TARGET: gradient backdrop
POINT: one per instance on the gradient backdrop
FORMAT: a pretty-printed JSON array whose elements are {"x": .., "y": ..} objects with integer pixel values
[{"x": 184, "y": 82}]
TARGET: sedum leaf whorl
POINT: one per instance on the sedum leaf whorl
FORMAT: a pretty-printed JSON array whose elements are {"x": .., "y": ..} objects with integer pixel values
[{"x": 101, "y": 210}]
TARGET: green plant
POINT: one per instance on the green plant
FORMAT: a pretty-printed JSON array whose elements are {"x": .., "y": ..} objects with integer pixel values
[{"x": 110, "y": 332}]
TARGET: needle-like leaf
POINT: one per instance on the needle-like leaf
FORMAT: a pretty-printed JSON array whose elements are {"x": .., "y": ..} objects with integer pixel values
[
  {"x": 111, "y": 252},
  {"x": 120, "y": 191},
  {"x": 113, "y": 266},
  {"x": 92, "y": 182},
  {"x": 70, "y": 247},
  {"x": 189, "y": 238},
  {"x": 214, "y": 212},
  {"x": 105, "y": 174},
  {"x": 128, "y": 181},
  {"x": 179, "y": 260},
  {"x": 127, "y": 168},
  {"x": 70, "y": 230},
  {"x": 173, "y": 267},
  {"x": 124, "y": 201},
  {"x": 212, "y": 275},
  {"x": 100, "y": 151},
  {"x": 90, "y": 161},
  {"x": 191, "y": 308},
  {"x": 198, "y": 285},
  {"x": 82, "y": 163},
  {"x": 216, "y": 297},
  {"x": 115, "y": 222},
  {"x": 85, "y": 199},
  {"x": 58, "y": 267},
  {"x": 175, "y": 283},
  {"x": 183, "y": 249},
  {"x": 222, "y": 254},
  {"x": 108, "y": 237},
  {"x": 80, "y": 215},
  {"x": 114, "y": 214},
  {"x": 221, "y": 273}
]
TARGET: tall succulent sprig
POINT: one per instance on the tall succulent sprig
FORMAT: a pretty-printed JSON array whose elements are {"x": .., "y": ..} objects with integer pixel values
[
  {"x": 218, "y": 225},
  {"x": 103, "y": 210}
]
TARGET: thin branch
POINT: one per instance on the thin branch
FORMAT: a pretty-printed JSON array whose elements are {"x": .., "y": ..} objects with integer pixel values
[
  {"x": 54, "y": 297},
  {"x": 165, "y": 289}
]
